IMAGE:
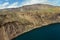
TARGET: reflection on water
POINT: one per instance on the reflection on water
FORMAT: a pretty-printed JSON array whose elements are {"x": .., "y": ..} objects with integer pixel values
[{"x": 49, "y": 32}]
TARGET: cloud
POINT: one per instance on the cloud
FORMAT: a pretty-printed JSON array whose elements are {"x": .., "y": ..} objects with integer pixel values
[
  {"x": 54, "y": 2},
  {"x": 2, "y": 6},
  {"x": 7, "y": 5},
  {"x": 14, "y": 5},
  {"x": 29, "y": 2},
  {"x": 37, "y": 1}
]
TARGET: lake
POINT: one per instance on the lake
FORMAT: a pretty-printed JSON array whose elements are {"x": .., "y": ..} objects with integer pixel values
[{"x": 49, "y": 32}]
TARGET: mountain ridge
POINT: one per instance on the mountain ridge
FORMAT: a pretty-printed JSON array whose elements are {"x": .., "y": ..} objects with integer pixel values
[{"x": 30, "y": 5}]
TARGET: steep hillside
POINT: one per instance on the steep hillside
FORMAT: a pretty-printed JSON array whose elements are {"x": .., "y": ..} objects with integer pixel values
[{"x": 19, "y": 20}]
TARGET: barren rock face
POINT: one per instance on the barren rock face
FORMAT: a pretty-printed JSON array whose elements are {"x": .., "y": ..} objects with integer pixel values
[
  {"x": 14, "y": 22},
  {"x": 13, "y": 28}
]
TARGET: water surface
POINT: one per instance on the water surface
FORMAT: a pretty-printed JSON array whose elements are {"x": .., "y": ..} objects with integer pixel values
[{"x": 49, "y": 32}]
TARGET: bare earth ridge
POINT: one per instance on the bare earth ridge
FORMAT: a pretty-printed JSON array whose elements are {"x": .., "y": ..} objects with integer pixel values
[{"x": 16, "y": 21}]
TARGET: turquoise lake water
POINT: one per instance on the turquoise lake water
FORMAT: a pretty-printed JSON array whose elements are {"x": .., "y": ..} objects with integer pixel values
[{"x": 49, "y": 32}]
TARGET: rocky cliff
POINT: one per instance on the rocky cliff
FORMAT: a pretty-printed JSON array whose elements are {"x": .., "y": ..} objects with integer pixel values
[{"x": 16, "y": 21}]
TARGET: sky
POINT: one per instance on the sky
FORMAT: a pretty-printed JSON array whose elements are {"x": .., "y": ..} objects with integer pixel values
[{"x": 18, "y": 3}]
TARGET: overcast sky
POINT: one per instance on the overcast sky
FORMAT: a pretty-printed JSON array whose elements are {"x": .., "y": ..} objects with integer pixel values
[{"x": 19, "y": 3}]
